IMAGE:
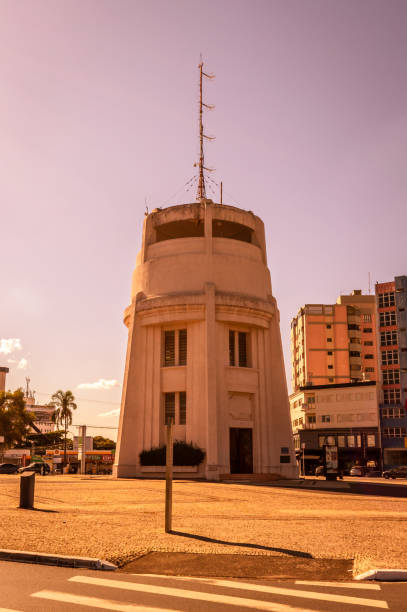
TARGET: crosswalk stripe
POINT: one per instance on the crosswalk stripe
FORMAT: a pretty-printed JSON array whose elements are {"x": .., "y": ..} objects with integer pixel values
[
  {"x": 341, "y": 585},
  {"x": 250, "y": 603},
  {"x": 96, "y": 602},
  {"x": 241, "y": 602}
]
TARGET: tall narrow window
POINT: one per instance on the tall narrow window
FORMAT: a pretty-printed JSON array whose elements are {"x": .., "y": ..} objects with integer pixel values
[
  {"x": 238, "y": 349},
  {"x": 231, "y": 348},
  {"x": 175, "y": 347},
  {"x": 169, "y": 405},
  {"x": 182, "y": 408},
  {"x": 182, "y": 347},
  {"x": 242, "y": 350},
  {"x": 169, "y": 348}
]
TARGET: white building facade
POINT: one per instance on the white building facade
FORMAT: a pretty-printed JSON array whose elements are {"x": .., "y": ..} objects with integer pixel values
[{"x": 204, "y": 346}]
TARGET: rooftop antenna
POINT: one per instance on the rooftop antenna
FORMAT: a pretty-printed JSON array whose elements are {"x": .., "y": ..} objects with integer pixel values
[
  {"x": 201, "y": 194},
  {"x": 369, "y": 283}
]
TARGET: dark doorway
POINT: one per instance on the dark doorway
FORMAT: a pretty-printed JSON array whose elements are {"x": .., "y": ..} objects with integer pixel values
[{"x": 241, "y": 450}]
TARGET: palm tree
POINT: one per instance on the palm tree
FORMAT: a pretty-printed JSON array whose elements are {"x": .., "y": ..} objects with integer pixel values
[{"x": 64, "y": 403}]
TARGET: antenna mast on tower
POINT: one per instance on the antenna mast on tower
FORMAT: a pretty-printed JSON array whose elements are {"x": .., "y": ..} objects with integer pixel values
[{"x": 201, "y": 194}]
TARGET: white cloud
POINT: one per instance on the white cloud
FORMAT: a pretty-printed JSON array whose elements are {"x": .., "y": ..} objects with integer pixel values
[
  {"x": 22, "y": 364},
  {"x": 9, "y": 345},
  {"x": 114, "y": 412},
  {"x": 102, "y": 383}
]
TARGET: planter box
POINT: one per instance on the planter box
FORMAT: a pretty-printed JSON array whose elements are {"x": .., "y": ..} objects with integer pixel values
[{"x": 160, "y": 469}]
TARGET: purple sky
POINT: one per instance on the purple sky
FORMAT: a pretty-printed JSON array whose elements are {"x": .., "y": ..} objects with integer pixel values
[{"x": 98, "y": 111}]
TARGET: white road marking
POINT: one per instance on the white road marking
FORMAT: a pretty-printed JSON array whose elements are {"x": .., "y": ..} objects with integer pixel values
[
  {"x": 96, "y": 602},
  {"x": 218, "y": 598},
  {"x": 8, "y": 610},
  {"x": 341, "y": 585}
]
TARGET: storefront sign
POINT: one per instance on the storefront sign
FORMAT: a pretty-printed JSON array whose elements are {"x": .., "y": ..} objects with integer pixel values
[{"x": 107, "y": 458}]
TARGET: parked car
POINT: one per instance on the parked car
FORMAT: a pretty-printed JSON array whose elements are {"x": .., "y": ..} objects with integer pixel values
[
  {"x": 38, "y": 467},
  {"x": 320, "y": 470},
  {"x": 8, "y": 468},
  {"x": 357, "y": 470},
  {"x": 397, "y": 472}
]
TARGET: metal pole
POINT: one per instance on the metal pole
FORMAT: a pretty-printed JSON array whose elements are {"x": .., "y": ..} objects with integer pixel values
[
  {"x": 168, "y": 479},
  {"x": 221, "y": 192}
]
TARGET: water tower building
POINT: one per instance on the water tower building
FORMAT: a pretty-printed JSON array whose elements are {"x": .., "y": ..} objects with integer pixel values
[{"x": 204, "y": 344}]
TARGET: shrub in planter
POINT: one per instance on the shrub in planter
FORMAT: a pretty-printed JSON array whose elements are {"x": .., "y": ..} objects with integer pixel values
[{"x": 184, "y": 454}]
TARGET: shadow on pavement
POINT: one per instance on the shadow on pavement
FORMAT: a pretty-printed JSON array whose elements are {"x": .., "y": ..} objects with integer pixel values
[{"x": 285, "y": 551}]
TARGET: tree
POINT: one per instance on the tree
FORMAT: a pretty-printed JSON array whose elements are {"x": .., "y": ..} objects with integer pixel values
[
  {"x": 15, "y": 420},
  {"x": 64, "y": 402},
  {"x": 101, "y": 443}
]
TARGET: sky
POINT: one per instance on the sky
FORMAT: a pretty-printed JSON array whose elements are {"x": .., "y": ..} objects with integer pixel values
[{"x": 98, "y": 119}]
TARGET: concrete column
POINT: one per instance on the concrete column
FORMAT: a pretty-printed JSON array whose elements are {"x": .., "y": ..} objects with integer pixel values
[{"x": 212, "y": 470}]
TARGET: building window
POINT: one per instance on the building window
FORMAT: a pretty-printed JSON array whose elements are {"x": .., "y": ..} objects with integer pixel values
[
  {"x": 368, "y": 343},
  {"x": 351, "y": 441},
  {"x": 330, "y": 367},
  {"x": 182, "y": 408},
  {"x": 330, "y": 380},
  {"x": 390, "y": 357},
  {"x": 391, "y": 396},
  {"x": 367, "y": 330},
  {"x": 175, "y": 405},
  {"x": 369, "y": 369},
  {"x": 175, "y": 347},
  {"x": 386, "y": 299},
  {"x": 169, "y": 407},
  {"x": 353, "y": 326},
  {"x": 311, "y": 399},
  {"x": 394, "y": 432},
  {"x": 354, "y": 354},
  {"x": 391, "y": 377},
  {"x": 311, "y": 418},
  {"x": 387, "y": 319},
  {"x": 393, "y": 413},
  {"x": 329, "y": 339},
  {"x": 328, "y": 326},
  {"x": 330, "y": 352},
  {"x": 387, "y": 338},
  {"x": 326, "y": 418},
  {"x": 369, "y": 356},
  {"x": 238, "y": 345},
  {"x": 366, "y": 318}
]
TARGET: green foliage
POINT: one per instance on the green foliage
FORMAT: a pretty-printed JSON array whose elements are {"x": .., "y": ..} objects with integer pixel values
[
  {"x": 14, "y": 418},
  {"x": 184, "y": 454},
  {"x": 101, "y": 443},
  {"x": 64, "y": 402}
]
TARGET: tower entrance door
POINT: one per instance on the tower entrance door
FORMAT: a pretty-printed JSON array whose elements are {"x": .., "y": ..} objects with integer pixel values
[{"x": 241, "y": 450}]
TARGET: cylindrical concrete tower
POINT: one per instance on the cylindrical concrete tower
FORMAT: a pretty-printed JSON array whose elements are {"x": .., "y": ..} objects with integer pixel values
[
  {"x": 204, "y": 346},
  {"x": 3, "y": 372}
]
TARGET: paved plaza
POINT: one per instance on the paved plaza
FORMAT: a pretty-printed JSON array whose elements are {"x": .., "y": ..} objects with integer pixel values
[{"x": 120, "y": 520}]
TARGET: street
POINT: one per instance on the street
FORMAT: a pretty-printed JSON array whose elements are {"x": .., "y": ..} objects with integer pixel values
[{"x": 37, "y": 588}]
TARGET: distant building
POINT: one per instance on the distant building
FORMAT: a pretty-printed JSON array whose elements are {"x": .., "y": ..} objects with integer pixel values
[
  {"x": 3, "y": 372},
  {"x": 43, "y": 414},
  {"x": 344, "y": 414},
  {"x": 334, "y": 343},
  {"x": 392, "y": 332}
]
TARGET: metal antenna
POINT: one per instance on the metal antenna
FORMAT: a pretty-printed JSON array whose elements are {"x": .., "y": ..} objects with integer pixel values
[{"x": 201, "y": 193}]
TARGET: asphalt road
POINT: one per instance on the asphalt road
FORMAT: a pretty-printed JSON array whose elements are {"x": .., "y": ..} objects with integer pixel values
[{"x": 37, "y": 588}]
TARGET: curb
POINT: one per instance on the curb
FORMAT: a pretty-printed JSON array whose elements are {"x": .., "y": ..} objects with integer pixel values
[
  {"x": 384, "y": 575},
  {"x": 23, "y": 556}
]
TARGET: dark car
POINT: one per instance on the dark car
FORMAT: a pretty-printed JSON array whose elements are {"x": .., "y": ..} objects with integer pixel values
[
  {"x": 8, "y": 468},
  {"x": 397, "y": 472},
  {"x": 37, "y": 467}
]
